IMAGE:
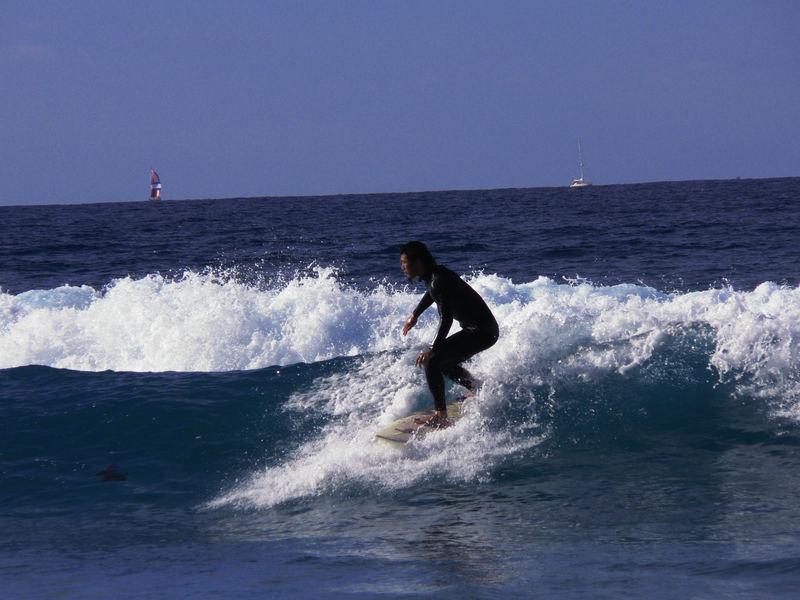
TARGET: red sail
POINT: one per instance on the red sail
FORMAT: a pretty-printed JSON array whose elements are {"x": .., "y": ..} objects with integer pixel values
[{"x": 155, "y": 186}]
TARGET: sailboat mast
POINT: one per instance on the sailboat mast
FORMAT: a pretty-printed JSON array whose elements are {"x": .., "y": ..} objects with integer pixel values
[{"x": 580, "y": 182}]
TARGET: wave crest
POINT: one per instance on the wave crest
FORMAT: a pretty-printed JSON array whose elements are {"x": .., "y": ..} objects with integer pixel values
[
  {"x": 549, "y": 330},
  {"x": 199, "y": 322}
]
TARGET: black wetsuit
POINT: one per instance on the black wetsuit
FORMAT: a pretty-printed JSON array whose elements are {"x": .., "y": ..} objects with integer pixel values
[{"x": 455, "y": 299}]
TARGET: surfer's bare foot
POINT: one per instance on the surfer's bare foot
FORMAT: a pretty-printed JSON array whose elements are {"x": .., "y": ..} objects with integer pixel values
[{"x": 437, "y": 420}]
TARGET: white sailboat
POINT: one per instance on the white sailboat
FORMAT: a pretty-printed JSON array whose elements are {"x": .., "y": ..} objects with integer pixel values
[{"x": 580, "y": 181}]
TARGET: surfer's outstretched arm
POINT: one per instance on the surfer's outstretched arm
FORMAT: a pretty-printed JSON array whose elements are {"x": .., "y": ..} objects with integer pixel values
[{"x": 410, "y": 322}]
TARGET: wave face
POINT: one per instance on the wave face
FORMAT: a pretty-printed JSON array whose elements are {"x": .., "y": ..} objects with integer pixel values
[{"x": 577, "y": 366}]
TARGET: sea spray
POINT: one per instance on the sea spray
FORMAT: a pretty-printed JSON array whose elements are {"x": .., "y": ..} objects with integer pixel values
[
  {"x": 198, "y": 322},
  {"x": 345, "y": 453}
]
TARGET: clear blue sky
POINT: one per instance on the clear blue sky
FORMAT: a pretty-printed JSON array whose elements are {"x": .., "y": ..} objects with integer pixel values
[{"x": 294, "y": 98}]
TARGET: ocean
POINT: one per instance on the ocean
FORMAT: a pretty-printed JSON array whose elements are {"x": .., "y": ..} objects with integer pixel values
[{"x": 189, "y": 392}]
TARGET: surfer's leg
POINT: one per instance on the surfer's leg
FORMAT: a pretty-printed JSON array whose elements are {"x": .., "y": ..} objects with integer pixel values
[
  {"x": 463, "y": 377},
  {"x": 445, "y": 361},
  {"x": 433, "y": 373}
]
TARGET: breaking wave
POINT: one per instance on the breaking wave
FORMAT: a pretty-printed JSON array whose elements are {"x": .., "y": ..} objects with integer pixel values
[{"x": 203, "y": 322}]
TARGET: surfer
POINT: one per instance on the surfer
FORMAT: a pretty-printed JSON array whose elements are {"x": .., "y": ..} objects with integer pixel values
[{"x": 454, "y": 299}]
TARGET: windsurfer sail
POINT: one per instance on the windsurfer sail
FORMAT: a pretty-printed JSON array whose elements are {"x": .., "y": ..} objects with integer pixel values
[{"x": 155, "y": 186}]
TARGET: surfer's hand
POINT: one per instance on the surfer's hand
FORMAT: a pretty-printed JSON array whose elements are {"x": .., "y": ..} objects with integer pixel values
[
  {"x": 410, "y": 322},
  {"x": 423, "y": 358}
]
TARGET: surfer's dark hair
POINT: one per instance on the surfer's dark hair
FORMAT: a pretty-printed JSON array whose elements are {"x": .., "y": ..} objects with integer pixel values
[{"x": 415, "y": 251}]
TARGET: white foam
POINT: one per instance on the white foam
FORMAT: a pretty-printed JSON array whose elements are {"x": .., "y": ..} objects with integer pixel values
[
  {"x": 382, "y": 389},
  {"x": 203, "y": 322},
  {"x": 549, "y": 331},
  {"x": 197, "y": 323}
]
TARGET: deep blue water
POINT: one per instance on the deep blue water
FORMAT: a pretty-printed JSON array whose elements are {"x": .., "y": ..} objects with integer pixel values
[{"x": 638, "y": 434}]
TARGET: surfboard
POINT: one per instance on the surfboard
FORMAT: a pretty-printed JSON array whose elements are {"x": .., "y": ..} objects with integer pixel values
[{"x": 403, "y": 430}]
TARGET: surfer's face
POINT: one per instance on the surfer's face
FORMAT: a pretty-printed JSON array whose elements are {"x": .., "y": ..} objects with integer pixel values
[{"x": 411, "y": 268}]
